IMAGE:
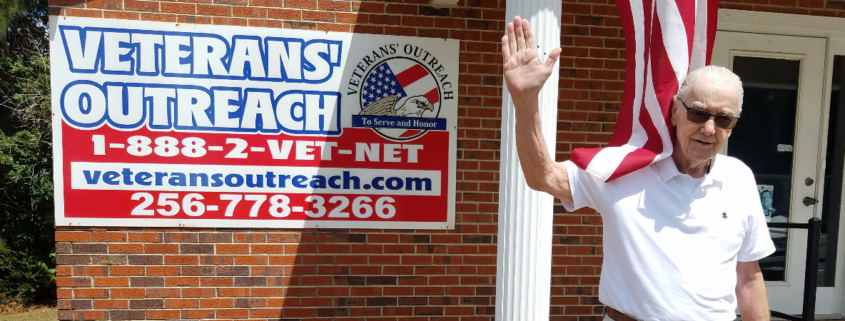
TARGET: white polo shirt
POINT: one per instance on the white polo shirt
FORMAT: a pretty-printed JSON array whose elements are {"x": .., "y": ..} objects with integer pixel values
[{"x": 671, "y": 243}]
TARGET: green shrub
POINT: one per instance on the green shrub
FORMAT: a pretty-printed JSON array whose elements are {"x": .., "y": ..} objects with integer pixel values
[
  {"x": 26, "y": 278},
  {"x": 27, "y": 245}
]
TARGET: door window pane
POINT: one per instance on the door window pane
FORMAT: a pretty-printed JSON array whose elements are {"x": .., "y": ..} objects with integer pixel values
[{"x": 763, "y": 139}]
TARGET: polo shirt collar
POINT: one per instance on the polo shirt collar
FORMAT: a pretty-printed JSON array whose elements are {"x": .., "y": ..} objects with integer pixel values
[{"x": 667, "y": 169}]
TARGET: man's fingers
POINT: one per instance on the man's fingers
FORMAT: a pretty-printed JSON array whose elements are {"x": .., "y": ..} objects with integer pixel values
[
  {"x": 506, "y": 54},
  {"x": 529, "y": 35},
  {"x": 552, "y": 57},
  {"x": 511, "y": 39},
  {"x": 520, "y": 36}
]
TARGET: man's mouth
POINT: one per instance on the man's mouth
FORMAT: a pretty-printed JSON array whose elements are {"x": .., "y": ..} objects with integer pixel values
[{"x": 703, "y": 142}]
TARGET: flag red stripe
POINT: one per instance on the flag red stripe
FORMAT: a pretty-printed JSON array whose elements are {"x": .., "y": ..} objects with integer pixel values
[
  {"x": 583, "y": 156},
  {"x": 666, "y": 83},
  {"x": 624, "y": 128},
  {"x": 411, "y": 75},
  {"x": 433, "y": 96},
  {"x": 712, "y": 11},
  {"x": 687, "y": 11},
  {"x": 410, "y": 133}
]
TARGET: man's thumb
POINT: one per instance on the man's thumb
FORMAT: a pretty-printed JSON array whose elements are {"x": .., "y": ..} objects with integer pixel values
[{"x": 552, "y": 57}]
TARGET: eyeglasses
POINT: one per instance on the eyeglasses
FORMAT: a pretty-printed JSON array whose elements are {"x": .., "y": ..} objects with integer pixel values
[{"x": 700, "y": 116}]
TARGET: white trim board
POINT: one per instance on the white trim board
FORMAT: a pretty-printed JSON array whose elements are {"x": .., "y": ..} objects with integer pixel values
[{"x": 780, "y": 23}]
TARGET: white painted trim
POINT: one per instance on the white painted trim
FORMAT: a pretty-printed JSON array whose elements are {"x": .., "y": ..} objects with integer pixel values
[{"x": 780, "y": 23}]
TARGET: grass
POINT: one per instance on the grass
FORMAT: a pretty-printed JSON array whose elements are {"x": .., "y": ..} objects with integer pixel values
[{"x": 17, "y": 312}]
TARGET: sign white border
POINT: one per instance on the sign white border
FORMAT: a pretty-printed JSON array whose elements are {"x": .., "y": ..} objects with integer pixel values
[{"x": 447, "y": 51}]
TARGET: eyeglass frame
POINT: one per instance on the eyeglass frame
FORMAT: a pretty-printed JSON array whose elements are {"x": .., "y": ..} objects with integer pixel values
[{"x": 734, "y": 119}]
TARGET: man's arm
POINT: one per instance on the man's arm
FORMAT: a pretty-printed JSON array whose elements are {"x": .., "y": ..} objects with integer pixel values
[
  {"x": 751, "y": 292},
  {"x": 525, "y": 75}
]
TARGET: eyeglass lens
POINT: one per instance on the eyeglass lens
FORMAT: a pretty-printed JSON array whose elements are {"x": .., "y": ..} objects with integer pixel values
[{"x": 700, "y": 116}]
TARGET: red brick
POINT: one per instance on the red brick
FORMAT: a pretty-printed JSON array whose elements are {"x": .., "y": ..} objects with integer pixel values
[
  {"x": 162, "y": 314},
  {"x": 233, "y": 313},
  {"x": 162, "y": 270},
  {"x": 111, "y": 304},
  {"x": 121, "y": 15},
  {"x": 318, "y": 15},
  {"x": 183, "y": 8},
  {"x": 302, "y": 4},
  {"x": 286, "y": 14},
  {"x": 268, "y": 248},
  {"x": 127, "y": 293},
  {"x": 181, "y": 259},
  {"x": 109, "y": 236},
  {"x": 334, "y": 5},
  {"x": 182, "y": 281},
  {"x": 250, "y": 12},
  {"x": 161, "y": 18},
  {"x": 161, "y": 248},
  {"x": 126, "y": 248},
  {"x": 214, "y": 10},
  {"x": 73, "y": 236},
  {"x": 216, "y": 303},
  {"x": 90, "y": 293},
  {"x": 333, "y": 27},
  {"x": 111, "y": 282},
  {"x": 197, "y": 314},
  {"x": 181, "y": 303},
  {"x": 145, "y": 237},
  {"x": 126, "y": 270},
  {"x": 199, "y": 292}
]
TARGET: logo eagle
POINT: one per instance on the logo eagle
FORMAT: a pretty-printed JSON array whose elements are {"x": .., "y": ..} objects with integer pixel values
[{"x": 412, "y": 107}]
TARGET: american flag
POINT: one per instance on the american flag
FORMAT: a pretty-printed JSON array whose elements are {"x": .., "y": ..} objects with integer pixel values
[
  {"x": 402, "y": 77},
  {"x": 664, "y": 41}
]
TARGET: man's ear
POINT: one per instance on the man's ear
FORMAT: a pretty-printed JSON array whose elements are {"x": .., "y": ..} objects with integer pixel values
[{"x": 672, "y": 110}]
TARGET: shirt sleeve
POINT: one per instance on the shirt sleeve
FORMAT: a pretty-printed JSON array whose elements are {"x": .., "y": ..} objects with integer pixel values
[
  {"x": 586, "y": 189},
  {"x": 757, "y": 243}
]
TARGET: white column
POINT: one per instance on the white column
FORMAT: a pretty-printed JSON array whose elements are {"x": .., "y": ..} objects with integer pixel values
[{"x": 524, "y": 266}]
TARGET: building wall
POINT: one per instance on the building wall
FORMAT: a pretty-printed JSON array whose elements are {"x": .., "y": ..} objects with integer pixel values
[{"x": 271, "y": 274}]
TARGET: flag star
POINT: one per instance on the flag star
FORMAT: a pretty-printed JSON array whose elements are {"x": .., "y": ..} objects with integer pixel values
[
  {"x": 379, "y": 83},
  {"x": 371, "y": 95},
  {"x": 392, "y": 91},
  {"x": 387, "y": 71},
  {"x": 378, "y": 91}
]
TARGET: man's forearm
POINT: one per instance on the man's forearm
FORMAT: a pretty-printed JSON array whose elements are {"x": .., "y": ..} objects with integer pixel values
[
  {"x": 751, "y": 292},
  {"x": 541, "y": 171}
]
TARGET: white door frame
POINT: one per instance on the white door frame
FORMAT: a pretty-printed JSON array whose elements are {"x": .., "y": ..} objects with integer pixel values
[{"x": 833, "y": 29}]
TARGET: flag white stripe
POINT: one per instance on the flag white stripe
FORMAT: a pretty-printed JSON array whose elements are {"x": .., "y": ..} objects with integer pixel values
[
  {"x": 699, "y": 45},
  {"x": 638, "y": 134},
  {"x": 674, "y": 37},
  {"x": 607, "y": 160}
]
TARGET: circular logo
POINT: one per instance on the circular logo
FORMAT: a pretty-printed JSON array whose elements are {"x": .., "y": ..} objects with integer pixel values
[{"x": 403, "y": 88}]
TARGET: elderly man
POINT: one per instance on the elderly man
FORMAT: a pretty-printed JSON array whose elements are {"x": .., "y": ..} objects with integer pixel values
[{"x": 682, "y": 236}]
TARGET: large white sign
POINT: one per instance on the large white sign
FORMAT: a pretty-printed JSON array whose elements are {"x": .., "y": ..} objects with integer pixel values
[{"x": 161, "y": 124}]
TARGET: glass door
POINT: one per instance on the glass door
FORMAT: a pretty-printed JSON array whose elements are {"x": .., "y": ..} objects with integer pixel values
[{"x": 778, "y": 137}]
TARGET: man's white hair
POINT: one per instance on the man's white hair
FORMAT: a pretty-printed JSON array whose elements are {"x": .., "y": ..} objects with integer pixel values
[{"x": 721, "y": 74}]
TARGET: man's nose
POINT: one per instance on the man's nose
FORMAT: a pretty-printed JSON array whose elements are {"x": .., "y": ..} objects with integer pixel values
[{"x": 709, "y": 127}]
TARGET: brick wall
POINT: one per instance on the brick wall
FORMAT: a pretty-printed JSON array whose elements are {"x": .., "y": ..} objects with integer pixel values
[{"x": 261, "y": 274}]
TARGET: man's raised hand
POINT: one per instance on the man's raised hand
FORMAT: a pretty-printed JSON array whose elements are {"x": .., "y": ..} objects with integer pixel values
[{"x": 524, "y": 73}]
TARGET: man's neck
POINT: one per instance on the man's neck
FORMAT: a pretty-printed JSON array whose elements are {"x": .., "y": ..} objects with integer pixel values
[{"x": 691, "y": 168}]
